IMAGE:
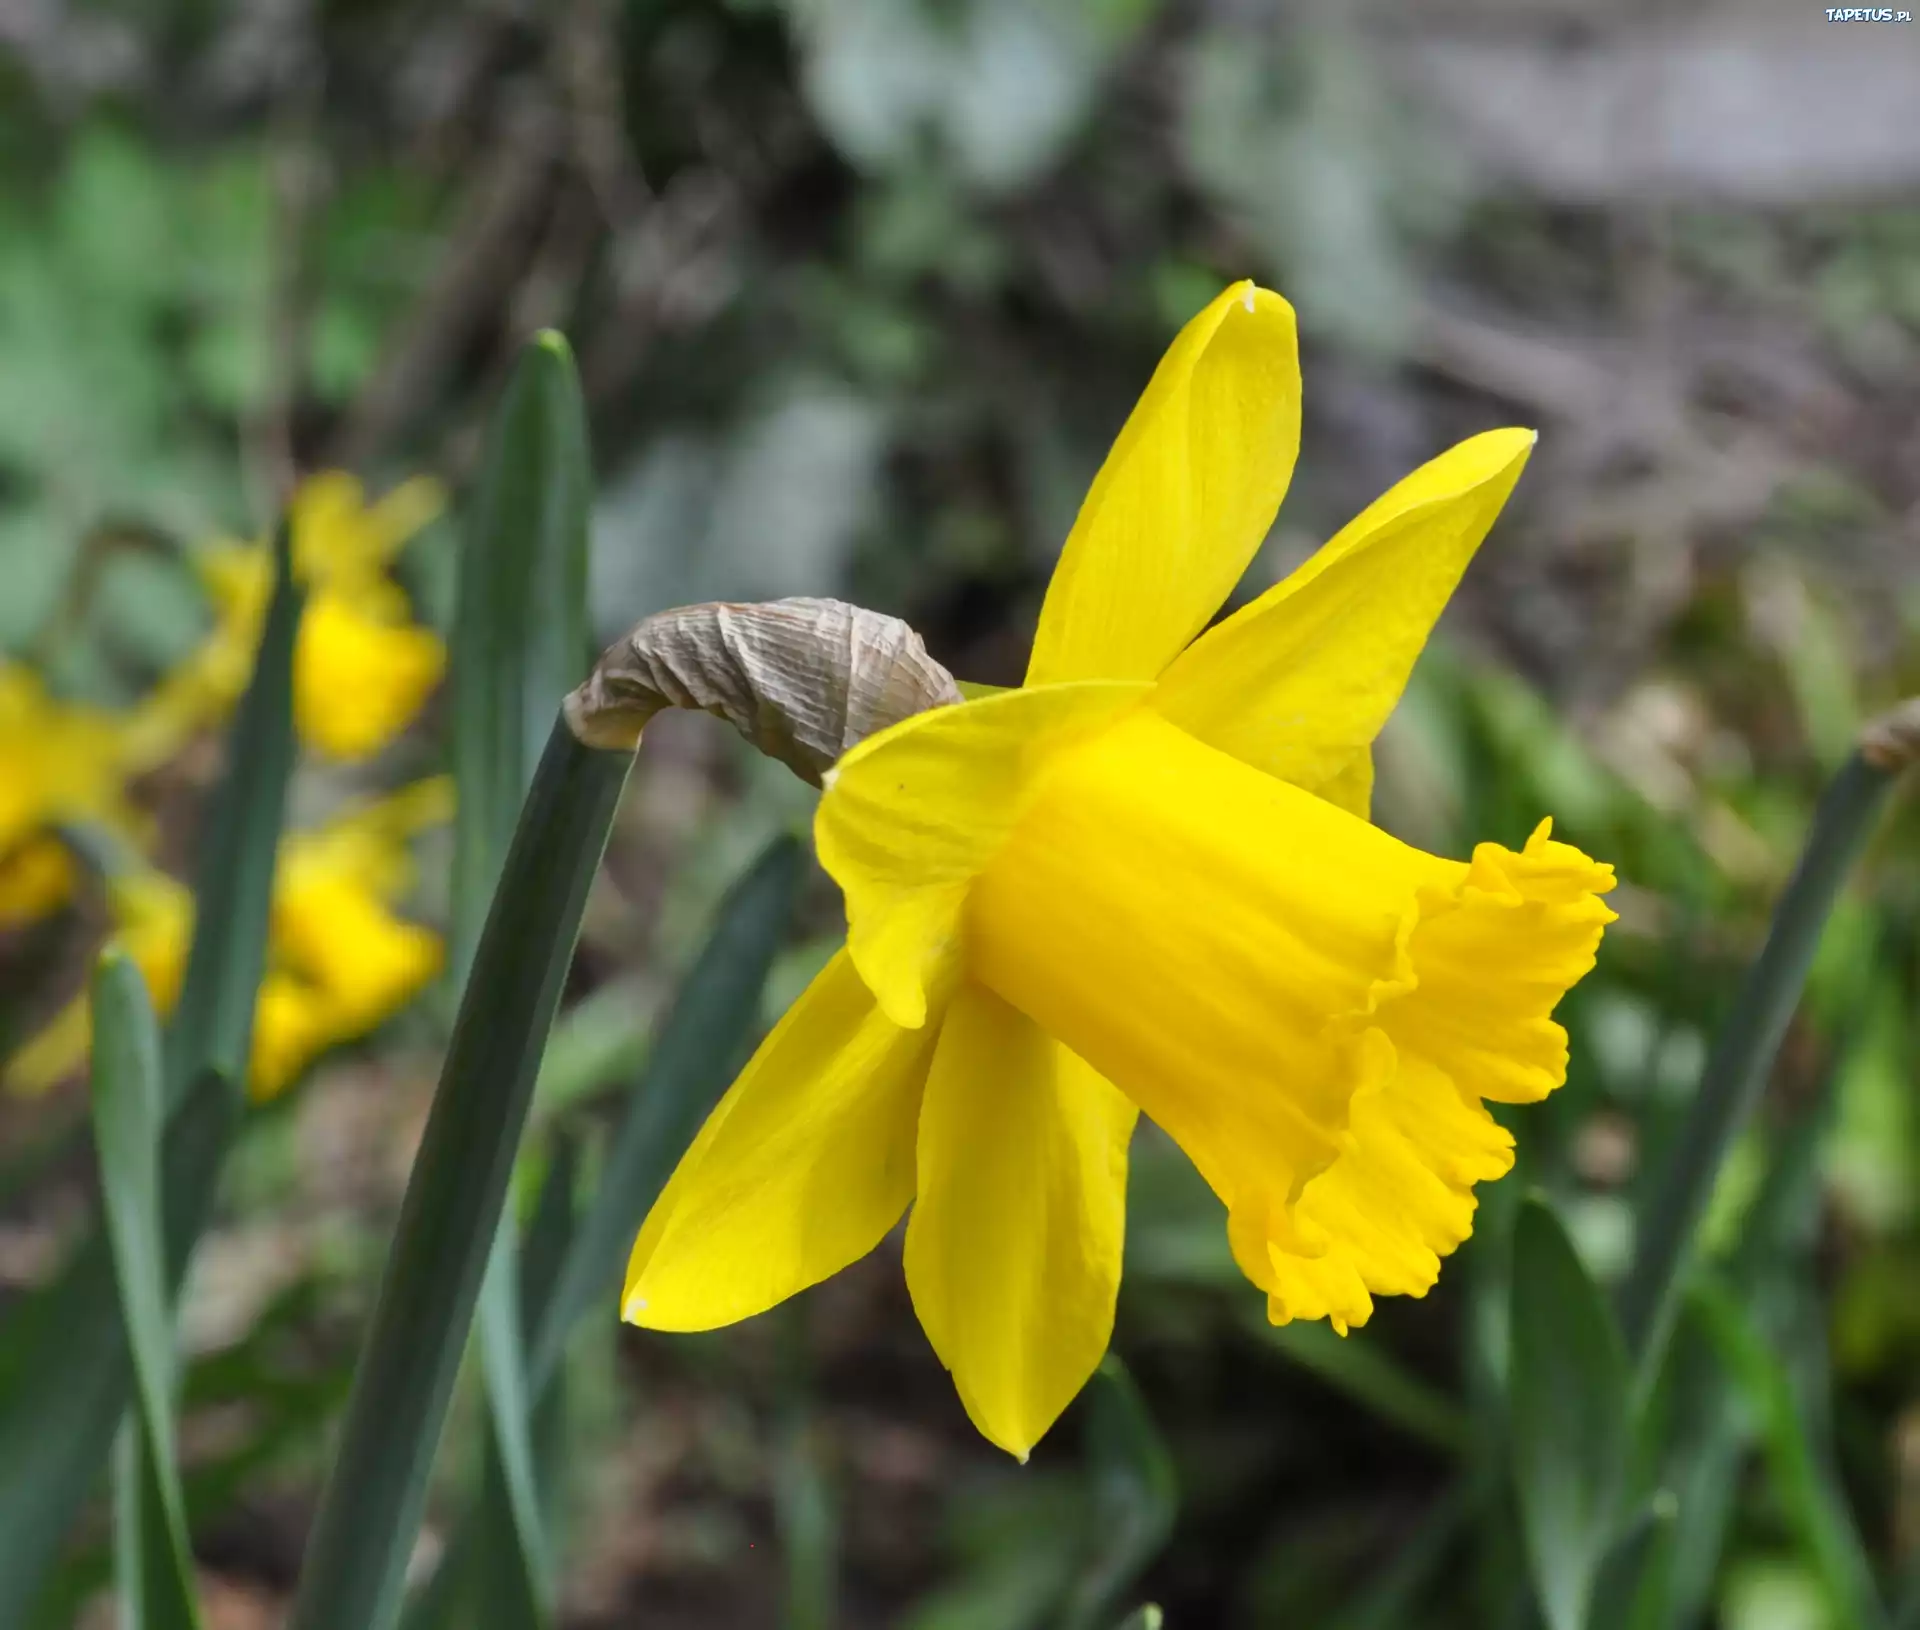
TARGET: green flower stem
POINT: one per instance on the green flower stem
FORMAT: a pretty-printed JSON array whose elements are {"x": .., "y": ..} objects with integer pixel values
[
  {"x": 370, "y": 1512},
  {"x": 1743, "y": 1053}
]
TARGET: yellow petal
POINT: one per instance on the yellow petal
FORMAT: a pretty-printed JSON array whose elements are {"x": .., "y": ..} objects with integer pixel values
[
  {"x": 1014, "y": 1245},
  {"x": 36, "y": 880},
  {"x": 1184, "y": 499},
  {"x": 1256, "y": 969},
  {"x": 363, "y": 962},
  {"x": 801, "y": 1168},
  {"x": 1299, "y": 682},
  {"x": 358, "y": 681},
  {"x": 292, "y": 1026},
  {"x": 912, "y": 814}
]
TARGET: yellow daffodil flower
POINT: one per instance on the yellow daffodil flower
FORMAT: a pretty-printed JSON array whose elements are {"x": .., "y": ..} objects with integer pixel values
[
  {"x": 1147, "y": 881},
  {"x": 36, "y": 880},
  {"x": 339, "y": 959},
  {"x": 61, "y": 762},
  {"x": 362, "y": 667}
]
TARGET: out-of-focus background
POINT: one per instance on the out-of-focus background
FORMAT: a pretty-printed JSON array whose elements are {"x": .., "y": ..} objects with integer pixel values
[{"x": 860, "y": 290}]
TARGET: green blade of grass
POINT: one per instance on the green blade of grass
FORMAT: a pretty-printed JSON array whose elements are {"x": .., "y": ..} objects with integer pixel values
[
  {"x": 370, "y": 1511},
  {"x": 551, "y": 1232},
  {"x": 1736, "y": 1070},
  {"x": 64, "y": 1370},
  {"x": 1697, "y": 1439},
  {"x": 1806, "y": 1482},
  {"x": 1567, "y": 1408},
  {"x": 1134, "y": 1496},
  {"x": 486, "y": 1582},
  {"x": 127, "y": 1125},
  {"x": 510, "y": 1478}
]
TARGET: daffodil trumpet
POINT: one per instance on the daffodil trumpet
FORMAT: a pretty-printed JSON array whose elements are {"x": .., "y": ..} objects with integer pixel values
[{"x": 1146, "y": 880}]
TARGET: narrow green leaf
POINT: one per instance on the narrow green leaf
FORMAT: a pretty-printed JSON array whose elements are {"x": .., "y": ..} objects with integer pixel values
[
  {"x": 1634, "y": 1577},
  {"x": 486, "y": 1581},
  {"x": 127, "y": 1129},
  {"x": 1134, "y": 1497},
  {"x": 66, "y": 1378},
  {"x": 1801, "y": 1473},
  {"x": 551, "y": 1233},
  {"x": 520, "y": 639},
  {"x": 370, "y": 1511},
  {"x": 212, "y": 1028},
  {"x": 1567, "y": 1399},
  {"x": 1699, "y": 1438},
  {"x": 520, "y": 643},
  {"x": 127, "y": 1120},
  {"x": 1145, "y": 1617},
  {"x": 699, "y": 1046},
  {"x": 599, "y": 1045},
  {"x": 1736, "y": 1071},
  {"x": 64, "y": 1369},
  {"x": 509, "y": 1448}
]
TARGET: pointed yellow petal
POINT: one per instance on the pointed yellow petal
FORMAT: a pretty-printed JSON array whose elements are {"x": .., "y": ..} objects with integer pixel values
[
  {"x": 1014, "y": 1245},
  {"x": 1299, "y": 682},
  {"x": 1184, "y": 499},
  {"x": 912, "y": 814},
  {"x": 801, "y": 1169}
]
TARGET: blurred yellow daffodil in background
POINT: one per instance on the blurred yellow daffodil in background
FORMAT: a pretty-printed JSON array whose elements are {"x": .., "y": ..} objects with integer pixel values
[
  {"x": 62, "y": 762},
  {"x": 340, "y": 959},
  {"x": 362, "y": 667},
  {"x": 1147, "y": 881}
]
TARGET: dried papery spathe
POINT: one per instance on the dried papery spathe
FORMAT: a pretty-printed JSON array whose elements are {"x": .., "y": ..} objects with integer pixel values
[{"x": 802, "y": 679}]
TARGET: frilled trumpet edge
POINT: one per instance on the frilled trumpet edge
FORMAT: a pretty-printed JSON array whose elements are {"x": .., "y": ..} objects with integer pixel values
[{"x": 803, "y": 680}]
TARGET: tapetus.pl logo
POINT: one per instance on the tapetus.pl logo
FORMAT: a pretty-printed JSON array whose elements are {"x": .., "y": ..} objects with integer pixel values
[{"x": 1867, "y": 14}]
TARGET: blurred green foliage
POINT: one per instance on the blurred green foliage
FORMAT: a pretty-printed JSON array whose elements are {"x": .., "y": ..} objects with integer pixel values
[{"x": 861, "y": 289}]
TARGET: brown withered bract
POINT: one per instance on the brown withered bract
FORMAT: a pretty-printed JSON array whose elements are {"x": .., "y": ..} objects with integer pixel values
[{"x": 802, "y": 679}]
